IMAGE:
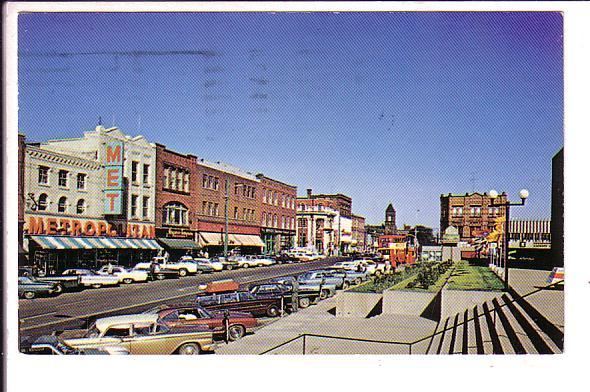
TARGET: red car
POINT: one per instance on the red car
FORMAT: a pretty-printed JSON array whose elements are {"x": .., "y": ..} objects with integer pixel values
[{"x": 184, "y": 315}]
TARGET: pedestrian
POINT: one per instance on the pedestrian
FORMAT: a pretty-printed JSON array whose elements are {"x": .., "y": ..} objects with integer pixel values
[
  {"x": 154, "y": 267},
  {"x": 294, "y": 296}
]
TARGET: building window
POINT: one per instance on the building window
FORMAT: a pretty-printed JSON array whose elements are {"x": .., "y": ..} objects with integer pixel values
[
  {"x": 62, "y": 179},
  {"x": 236, "y": 216},
  {"x": 133, "y": 205},
  {"x": 275, "y": 221},
  {"x": 166, "y": 177},
  {"x": 81, "y": 181},
  {"x": 253, "y": 192},
  {"x": 61, "y": 204},
  {"x": 42, "y": 204},
  {"x": 204, "y": 209},
  {"x": 216, "y": 209},
  {"x": 81, "y": 206},
  {"x": 186, "y": 182},
  {"x": 43, "y": 175},
  {"x": 263, "y": 221},
  {"x": 134, "y": 165},
  {"x": 146, "y": 207},
  {"x": 204, "y": 181},
  {"x": 146, "y": 173},
  {"x": 175, "y": 214}
]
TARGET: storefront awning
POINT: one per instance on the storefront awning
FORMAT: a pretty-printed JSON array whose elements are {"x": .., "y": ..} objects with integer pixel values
[
  {"x": 59, "y": 242},
  {"x": 208, "y": 239},
  {"x": 177, "y": 243},
  {"x": 248, "y": 240}
]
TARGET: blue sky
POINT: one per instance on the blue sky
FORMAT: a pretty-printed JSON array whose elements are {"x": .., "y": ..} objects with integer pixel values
[{"x": 384, "y": 107}]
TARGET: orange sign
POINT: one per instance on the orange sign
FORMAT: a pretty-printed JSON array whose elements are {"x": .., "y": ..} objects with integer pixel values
[{"x": 89, "y": 228}]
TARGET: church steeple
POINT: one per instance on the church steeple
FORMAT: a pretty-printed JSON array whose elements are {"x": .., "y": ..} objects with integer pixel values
[{"x": 390, "y": 227}]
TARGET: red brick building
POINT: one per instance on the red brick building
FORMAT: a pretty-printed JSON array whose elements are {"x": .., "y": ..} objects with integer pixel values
[
  {"x": 338, "y": 202},
  {"x": 277, "y": 216},
  {"x": 358, "y": 233},
  {"x": 176, "y": 201},
  {"x": 471, "y": 213},
  {"x": 243, "y": 208}
]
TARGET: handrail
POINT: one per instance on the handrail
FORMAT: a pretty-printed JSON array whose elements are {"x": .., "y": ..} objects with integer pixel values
[{"x": 409, "y": 344}]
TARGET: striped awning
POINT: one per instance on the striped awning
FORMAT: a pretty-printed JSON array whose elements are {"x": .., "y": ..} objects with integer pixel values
[
  {"x": 207, "y": 238},
  {"x": 178, "y": 243},
  {"x": 248, "y": 240},
  {"x": 62, "y": 242}
]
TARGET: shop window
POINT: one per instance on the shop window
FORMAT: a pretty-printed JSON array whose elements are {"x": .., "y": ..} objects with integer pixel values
[
  {"x": 62, "y": 204},
  {"x": 43, "y": 175},
  {"x": 81, "y": 206},
  {"x": 42, "y": 204},
  {"x": 62, "y": 179},
  {"x": 81, "y": 181}
]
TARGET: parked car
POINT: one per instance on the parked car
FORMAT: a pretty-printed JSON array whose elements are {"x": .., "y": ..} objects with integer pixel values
[
  {"x": 242, "y": 301},
  {"x": 141, "y": 334},
  {"x": 191, "y": 315},
  {"x": 184, "y": 265},
  {"x": 52, "y": 345},
  {"x": 375, "y": 268},
  {"x": 247, "y": 261},
  {"x": 209, "y": 265},
  {"x": 324, "y": 277},
  {"x": 347, "y": 265},
  {"x": 89, "y": 278},
  {"x": 310, "y": 256},
  {"x": 227, "y": 263},
  {"x": 278, "y": 290},
  {"x": 353, "y": 277},
  {"x": 30, "y": 288},
  {"x": 322, "y": 291},
  {"x": 125, "y": 275},
  {"x": 264, "y": 261},
  {"x": 62, "y": 282},
  {"x": 285, "y": 258},
  {"x": 158, "y": 273}
]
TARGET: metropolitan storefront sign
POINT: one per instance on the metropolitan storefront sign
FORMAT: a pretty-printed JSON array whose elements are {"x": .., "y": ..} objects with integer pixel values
[{"x": 113, "y": 190}]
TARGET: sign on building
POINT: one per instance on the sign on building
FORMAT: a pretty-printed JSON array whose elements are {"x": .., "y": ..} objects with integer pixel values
[
  {"x": 113, "y": 189},
  {"x": 451, "y": 236}
]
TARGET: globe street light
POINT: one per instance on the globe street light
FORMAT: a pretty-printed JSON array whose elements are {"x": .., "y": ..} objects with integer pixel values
[{"x": 523, "y": 194}]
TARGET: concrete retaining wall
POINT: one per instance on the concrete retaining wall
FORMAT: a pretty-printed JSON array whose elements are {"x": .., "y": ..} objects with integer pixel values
[
  {"x": 406, "y": 302},
  {"x": 456, "y": 301},
  {"x": 356, "y": 305}
]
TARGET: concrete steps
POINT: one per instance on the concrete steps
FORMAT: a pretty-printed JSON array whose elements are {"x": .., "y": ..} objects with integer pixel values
[{"x": 504, "y": 325}]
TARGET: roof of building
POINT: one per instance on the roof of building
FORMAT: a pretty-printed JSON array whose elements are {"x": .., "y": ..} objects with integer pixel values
[
  {"x": 467, "y": 194},
  {"x": 261, "y": 176},
  {"x": 226, "y": 168}
]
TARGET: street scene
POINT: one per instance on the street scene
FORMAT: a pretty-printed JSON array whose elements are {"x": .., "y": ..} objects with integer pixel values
[{"x": 290, "y": 183}]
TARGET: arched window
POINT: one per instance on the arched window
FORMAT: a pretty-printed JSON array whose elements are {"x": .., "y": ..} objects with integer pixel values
[
  {"x": 175, "y": 214},
  {"x": 42, "y": 204},
  {"x": 62, "y": 204},
  {"x": 81, "y": 206}
]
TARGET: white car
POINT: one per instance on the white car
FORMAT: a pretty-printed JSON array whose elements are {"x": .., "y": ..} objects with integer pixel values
[
  {"x": 251, "y": 261},
  {"x": 346, "y": 265},
  {"x": 265, "y": 261},
  {"x": 215, "y": 264},
  {"x": 310, "y": 256},
  {"x": 125, "y": 275},
  {"x": 89, "y": 278}
]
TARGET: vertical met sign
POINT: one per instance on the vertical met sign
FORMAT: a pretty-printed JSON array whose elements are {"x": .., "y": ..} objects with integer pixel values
[{"x": 113, "y": 190}]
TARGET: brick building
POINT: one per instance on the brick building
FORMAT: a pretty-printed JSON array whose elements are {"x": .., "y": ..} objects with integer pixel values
[
  {"x": 328, "y": 223},
  {"x": 277, "y": 216},
  {"x": 176, "y": 201},
  {"x": 471, "y": 213},
  {"x": 359, "y": 236},
  {"x": 216, "y": 181}
]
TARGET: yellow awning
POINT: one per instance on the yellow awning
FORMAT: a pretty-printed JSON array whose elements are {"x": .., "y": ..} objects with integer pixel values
[{"x": 248, "y": 240}]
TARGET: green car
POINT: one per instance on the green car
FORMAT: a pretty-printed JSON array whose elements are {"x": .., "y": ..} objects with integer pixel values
[{"x": 29, "y": 288}]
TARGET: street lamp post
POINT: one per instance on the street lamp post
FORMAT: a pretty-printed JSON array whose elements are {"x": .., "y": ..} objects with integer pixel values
[
  {"x": 524, "y": 194},
  {"x": 226, "y": 238}
]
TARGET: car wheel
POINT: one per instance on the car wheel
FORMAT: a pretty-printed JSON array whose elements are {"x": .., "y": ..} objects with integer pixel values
[
  {"x": 160, "y": 276},
  {"x": 182, "y": 272},
  {"x": 29, "y": 294},
  {"x": 127, "y": 280},
  {"x": 236, "y": 332},
  {"x": 358, "y": 281},
  {"x": 230, "y": 267},
  {"x": 199, "y": 271},
  {"x": 345, "y": 285},
  {"x": 96, "y": 286},
  {"x": 58, "y": 289},
  {"x": 273, "y": 311},
  {"x": 246, "y": 265},
  {"x": 304, "y": 302},
  {"x": 189, "y": 349},
  {"x": 324, "y": 294}
]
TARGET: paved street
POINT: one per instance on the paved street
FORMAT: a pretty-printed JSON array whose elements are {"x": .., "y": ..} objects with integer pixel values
[{"x": 71, "y": 309}]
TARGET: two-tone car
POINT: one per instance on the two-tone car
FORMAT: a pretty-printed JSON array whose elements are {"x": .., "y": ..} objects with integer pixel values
[
  {"x": 89, "y": 278},
  {"x": 321, "y": 291},
  {"x": 239, "y": 323},
  {"x": 324, "y": 277},
  {"x": 30, "y": 288},
  {"x": 125, "y": 275},
  {"x": 242, "y": 301},
  {"x": 52, "y": 345},
  {"x": 141, "y": 334}
]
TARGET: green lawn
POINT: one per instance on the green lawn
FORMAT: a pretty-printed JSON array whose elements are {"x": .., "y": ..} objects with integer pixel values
[
  {"x": 431, "y": 289},
  {"x": 471, "y": 277}
]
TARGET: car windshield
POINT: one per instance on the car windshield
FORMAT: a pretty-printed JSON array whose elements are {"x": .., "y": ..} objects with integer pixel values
[{"x": 305, "y": 276}]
